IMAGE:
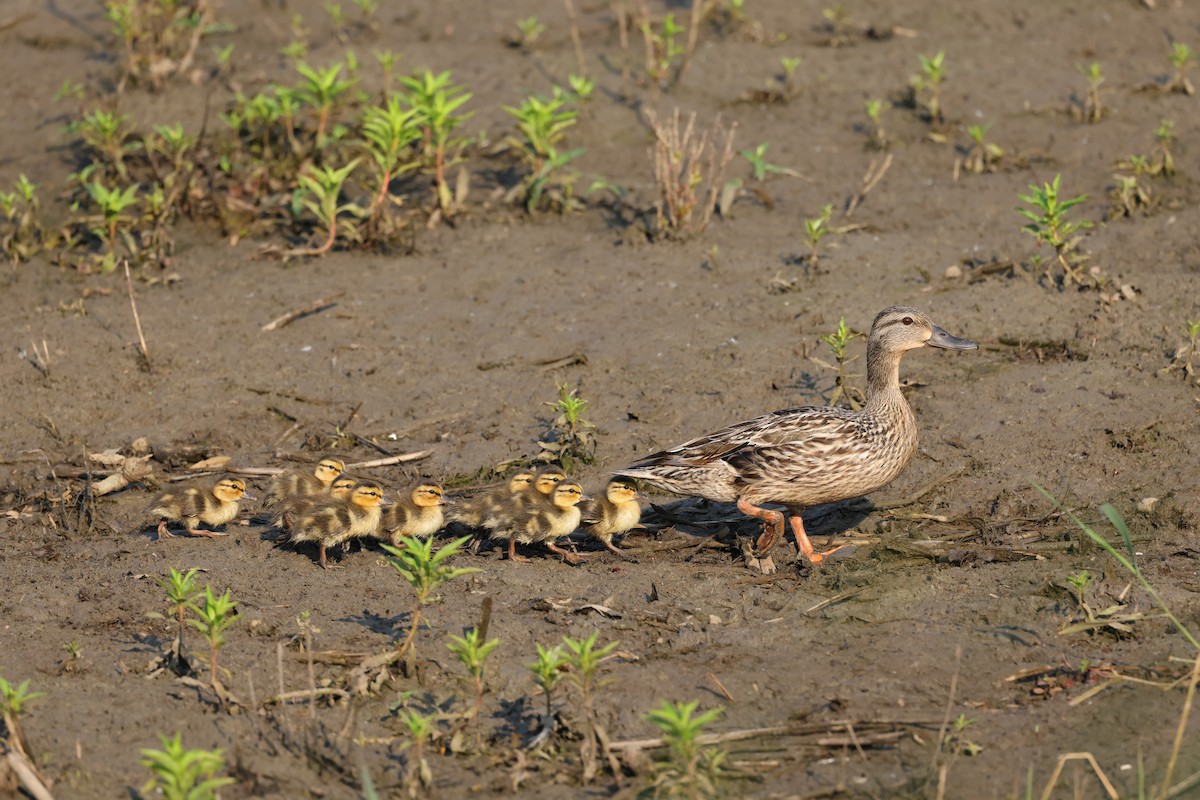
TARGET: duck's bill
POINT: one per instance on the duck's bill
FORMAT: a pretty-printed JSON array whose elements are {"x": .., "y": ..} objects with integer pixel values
[
  {"x": 948, "y": 341},
  {"x": 249, "y": 497}
]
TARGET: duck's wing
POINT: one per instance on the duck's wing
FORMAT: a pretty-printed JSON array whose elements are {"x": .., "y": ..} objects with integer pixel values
[{"x": 792, "y": 446}]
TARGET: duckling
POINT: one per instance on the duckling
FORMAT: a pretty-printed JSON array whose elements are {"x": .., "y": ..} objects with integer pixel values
[
  {"x": 418, "y": 514},
  {"x": 487, "y": 504},
  {"x": 338, "y": 521},
  {"x": 292, "y": 485},
  {"x": 293, "y": 507},
  {"x": 615, "y": 513},
  {"x": 518, "y": 503},
  {"x": 213, "y": 507},
  {"x": 543, "y": 519},
  {"x": 802, "y": 457}
]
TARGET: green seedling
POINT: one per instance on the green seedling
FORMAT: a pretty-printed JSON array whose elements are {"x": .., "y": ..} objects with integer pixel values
[
  {"x": 1129, "y": 195},
  {"x": 160, "y": 37},
  {"x": 112, "y": 204},
  {"x": 790, "y": 65},
  {"x": 1093, "y": 107},
  {"x": 213, "y": 617},
  {"x": 23, "y": 238},
  {"x": 322, "y": 90},
  {"x": 984, "y": 156},
  {"x": 108, "y": 135},
  {"x": 662, "y": 47},
  {"x": 542, "y": 124},
  {"x": 14, "y": 698},
  {"x": 436, "y": 101},
  {"x": 548, "y": 671},
  {"x": 1164, "y": 136},
  {"x": 387, "y": 64},
  {"x": 320, "y": 192},
  {"x": 425, "y": 571},
  {"x": 581, "y": 86},
  {"x": 815, "y": 230},
  {"x": 337, "y": 19},
  {"x": 421, "y": 727},
  {"x": 838, "y": 342},
  {"x": 367, "y": 8},
  {"x": 472, "y": 653},
  {"x": 927, "y": 86},
  {"x": 585, "y": 659},
  {"x": 528, "y": 31},
  {"x": 840, "y": 26},
  {"x": 224, "y": 56},
  {"x": 1079, "y": 583},
  {"x": 1049, "y": 224},
  {"x": 1111, "y": 617},
  {"x": 1181, "y": 57},
  {"x": 1185, "y": 355},
  {"x": 759, "y": 168},
  {"x": 296, "y": 50},
  {"x": 570, "y": 438},
  {"x": 959, "y": 744},
  {"x": 182, "y": 774},
  {"x": 389, "y": 132},
  {"x": 690, "y": 771},
  {"x": 879, "y": 137},
  {"x": 179, "y": 586}
]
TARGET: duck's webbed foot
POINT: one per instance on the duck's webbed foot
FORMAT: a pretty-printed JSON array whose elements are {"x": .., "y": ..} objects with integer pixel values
[
  {"x": 805, "y": 546},
  {"x": 772, "y": 526}
]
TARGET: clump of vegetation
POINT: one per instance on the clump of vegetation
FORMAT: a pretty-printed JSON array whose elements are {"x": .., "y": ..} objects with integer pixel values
[
  {"x": 22, "y": 237},
  {"x": 663, "y": 47},
  {"x": 183, "y": 774},
  {"x": 1130, "y": 195},
  {"x": 1049, "y": 224},
  {"x": 1164, "y": 137},
  {"x": 1185, "y": 355},
  {"x": 18, "y": 767},
  {"x": 1181, "y": 58},
  {"x": 179, "y": 587},
  {"x": 879, "y": 138},
  {"x": 542, "y": 124},
  {"x": 1093, "y": 108},
  {"x": 418, "y": 776},
  {"x": 425, "y": 571},
  {"x": 436, "y": 101},
  {"x": 214, "y": 615},
  {"x": 570, "y": 439},
  {"x": 585, "y": 658},
  {"x": 838, "y": 342},
  {"x": 548, "y": 671},
  {"x": 160, "y": 38},
  {"x": 689, "y": 771},
  {"x": 982, "y": 156},
  {"x": 1111, "y": 617},
  {"x": 529, "y": 30},
  {"x": 926, "y": 88},
  {"x": 472, "y": 652},
  {"x": 814, "y": 231},
  {"x": 840, "y": 26},
  {"x": 689, "y": 172}
]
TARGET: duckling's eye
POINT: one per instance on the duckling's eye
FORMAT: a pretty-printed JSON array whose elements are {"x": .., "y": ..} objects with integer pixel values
[{"x": 907, "y": 320}]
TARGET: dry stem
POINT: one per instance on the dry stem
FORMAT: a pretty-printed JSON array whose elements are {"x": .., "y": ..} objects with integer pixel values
[
  {"x": 136, "y": 319},
  {"x": 688, "y": 172},
  {"x": 295, "y": 314}
]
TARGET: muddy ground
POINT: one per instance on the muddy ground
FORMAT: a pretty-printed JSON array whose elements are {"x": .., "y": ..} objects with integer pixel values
[{"x": 940, "y": 602}]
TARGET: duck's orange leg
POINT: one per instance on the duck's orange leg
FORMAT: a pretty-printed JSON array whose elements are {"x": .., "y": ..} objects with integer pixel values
[
  {"x": 772, "y": 526},
  {"x": 567, "y": 556},
  {"x": 806, "y": 548}
]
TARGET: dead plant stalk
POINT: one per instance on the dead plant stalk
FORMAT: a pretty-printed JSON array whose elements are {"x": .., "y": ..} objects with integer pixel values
[
  {"x": 137, "y": 321},
  {"x": 688, "y": 172}
]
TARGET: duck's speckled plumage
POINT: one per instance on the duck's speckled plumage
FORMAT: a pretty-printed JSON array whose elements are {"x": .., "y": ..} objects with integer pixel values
[
  {"x": 213, "y": 507},
  {"x": 293, "y": 485},
  {"x": 476, "y": 512},
  {"x": 417, "y": 513},
  {"x": 542, "y": 518},
  {"x": 801, "y": 457},
  {"x": 338, "y": 521},
  {"x": 617, "y": 512}
]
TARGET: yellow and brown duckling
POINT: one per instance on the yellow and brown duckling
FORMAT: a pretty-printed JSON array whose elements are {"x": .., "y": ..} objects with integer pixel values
[
  {"x": 289, "y": 486},
  {"x": 543, "y": 519},
  {"x": 616, "y": 513},
  {"x": 293, "y": 507},
  {"x": 487, "y": 504},
  {"x": 802, "y": 457},
  {"x": 337, "y": 521},
  {"x": 417, "y": 513},
  {"x": 213, "y": 507}
]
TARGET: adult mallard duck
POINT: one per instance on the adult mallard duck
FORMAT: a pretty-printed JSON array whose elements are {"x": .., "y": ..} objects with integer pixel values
[
  {"x": 213, "y": 507},
  {"x": 802, "y": 457}
]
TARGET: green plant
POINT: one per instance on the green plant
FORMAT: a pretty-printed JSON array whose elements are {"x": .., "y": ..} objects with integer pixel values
[
  {"x": 472, "y": 653},
  {"x": 436, "y": 101},
  {"x": 179, "y": 586},
  {"x": 425, "y": 571},
  {"x": 1185, "y": 355},
  {"x": 1049, "y": 224},
  {"x": 542, "y": 124},
  {"x": 759, "y": 168},
  {"x": 927, "y": 86},
  {"x": 421, "y": 727},
  {"x": 1128, "y": 196},
  {"x": 320, "y": 191},
  {"x": 548, "y": 672},
  {"x": 581, "y": 86},
  {"x": 182, "y": 774},
  {"x": 662, "y": 47},
  {"x": 337, "y": 19},
  {"x": 322, "y": 90},
  {"x": 23, "y": 236},
  {"x": 879, "y": 137},
  {"x": 213, "y": 616},
  {"x": 389, "y": 132},
  {"x": 690, "y": 771},
  {"x": 107, "y": 134},
  {"x": 688, "y": 173},
  {"x": 838, "y": 341},
  {"x": 984, "y": 156},
  {"x": 585, "y": 658},
  {"x": 815, "y": 230},
  {"x": 790, "y": 65},
  {"x": 160, "y": 37},
  {"x": 1164, "y": 136},
  {"x": 528, "y": 31},
  {"x": 13, "y": 698},
  {"x": 1181, "y": 58},
  {"x": 1093, "y": 107},
  {"x": 112, "y": 204},
  {"x": 569, "y": 439},
  {"x": 840, "y": 26}
]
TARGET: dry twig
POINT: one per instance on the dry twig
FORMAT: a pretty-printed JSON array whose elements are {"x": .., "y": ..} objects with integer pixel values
[
  {"x": 875, "y": 173},
  {"x": 136, "y": 319},
  {"x": 296, "y": 314}
]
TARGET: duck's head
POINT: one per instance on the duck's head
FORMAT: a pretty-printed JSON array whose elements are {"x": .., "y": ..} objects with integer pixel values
[
  {"x": 367, "y": 495},
  {"x": 230, "y": 490},
  {"x": 342, "y": 487},
  {"x": 547, "y": 478},
  {"x": 901, "y": 328},
  {"x": 328, "y": 469},
  {"x": 567, "y": 494},
  {"x": 428, "y": 495},
  {"x": 522, "y": 480},
  {"x": 621, "y": 490}
]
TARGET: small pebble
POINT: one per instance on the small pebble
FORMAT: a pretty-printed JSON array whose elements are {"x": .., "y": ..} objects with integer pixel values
[{"x": 953, "y": 272}]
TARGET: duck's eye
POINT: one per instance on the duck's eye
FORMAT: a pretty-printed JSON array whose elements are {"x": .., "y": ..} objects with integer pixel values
[{"x": 907, "y": 320}]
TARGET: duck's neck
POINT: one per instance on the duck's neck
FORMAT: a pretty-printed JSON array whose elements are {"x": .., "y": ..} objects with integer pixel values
[{"x": 883, "y": 380}]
